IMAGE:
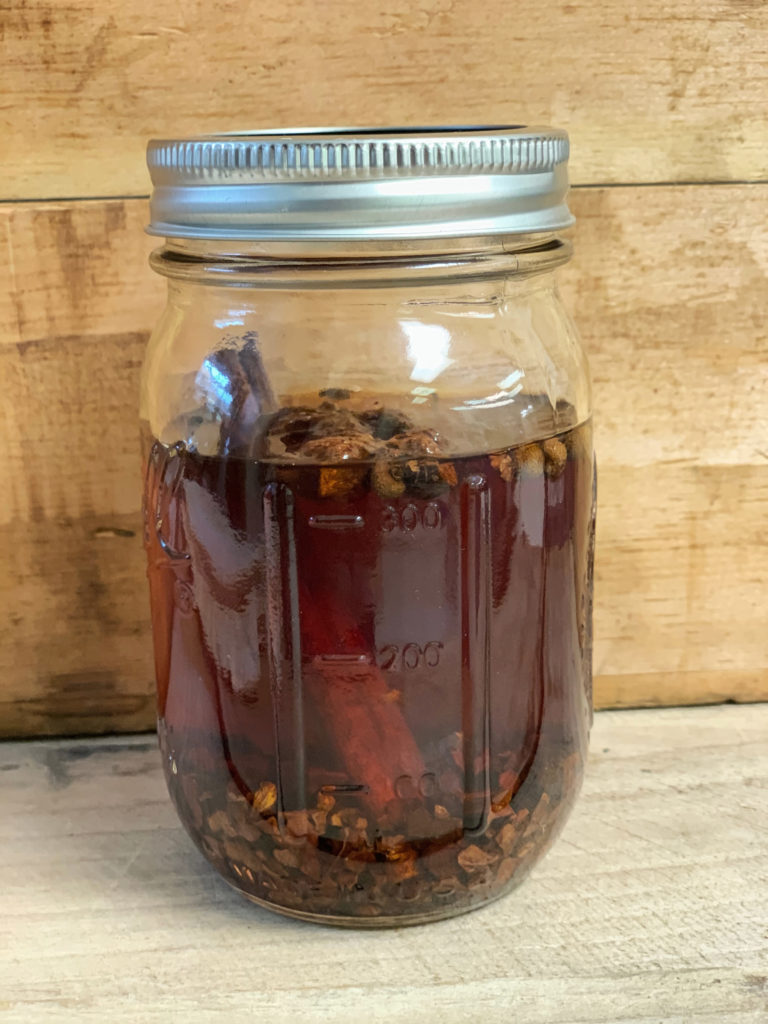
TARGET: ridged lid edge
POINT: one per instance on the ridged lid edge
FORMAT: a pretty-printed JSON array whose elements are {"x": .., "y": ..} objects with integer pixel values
[{"x": 353, "y": 154}]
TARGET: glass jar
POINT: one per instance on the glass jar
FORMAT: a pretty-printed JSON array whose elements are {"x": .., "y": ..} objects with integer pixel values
[{"x": 369, "y": 514}]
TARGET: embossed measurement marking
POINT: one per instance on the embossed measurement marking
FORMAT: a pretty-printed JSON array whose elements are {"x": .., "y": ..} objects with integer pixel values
[
  {"x": 351, "y": 522},
  {"x": 342, "y": 659},
  {"x": 343, "y": 788},
  {"x": 410, "y": 517},
  {"x": 406, "y": 787},
  {"x": 412, "y": 656}
]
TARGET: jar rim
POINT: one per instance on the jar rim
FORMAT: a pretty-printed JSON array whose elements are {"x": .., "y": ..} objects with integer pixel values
[
  {"x": 327, "y": 265},
  {"x": 349, "y": 184}
]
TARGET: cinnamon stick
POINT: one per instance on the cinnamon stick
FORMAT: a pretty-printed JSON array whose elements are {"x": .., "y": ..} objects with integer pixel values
[{"x": 348, "y": 692}]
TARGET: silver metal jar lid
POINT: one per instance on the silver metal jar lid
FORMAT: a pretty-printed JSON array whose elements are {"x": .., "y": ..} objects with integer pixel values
[{"x": 360, "y": 184}]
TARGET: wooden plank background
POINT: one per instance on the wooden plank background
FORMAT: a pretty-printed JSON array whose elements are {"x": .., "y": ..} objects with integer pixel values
[
  {"x": 650, "y": 90},
  {"x": 666, "y": 108}
]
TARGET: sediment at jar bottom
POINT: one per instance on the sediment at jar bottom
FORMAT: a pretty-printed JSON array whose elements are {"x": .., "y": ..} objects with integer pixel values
[
  {"x": 372, "y": 672},
  {"x": 333, "y": 862}
]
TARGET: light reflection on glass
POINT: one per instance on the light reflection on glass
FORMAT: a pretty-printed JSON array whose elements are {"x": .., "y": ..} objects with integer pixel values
[
  {"x": 428, "y": 347},
  {"x": 509, "y": 388},
  {"x": 215, "y": 386}
]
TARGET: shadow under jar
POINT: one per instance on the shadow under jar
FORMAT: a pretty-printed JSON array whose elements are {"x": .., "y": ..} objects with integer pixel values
[{"x": 369, "y": 511}]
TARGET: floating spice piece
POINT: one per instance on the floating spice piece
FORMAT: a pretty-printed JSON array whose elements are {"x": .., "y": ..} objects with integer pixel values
[
  {"x": 423, "y": 475},
  {"x": 423, "y": 479},
  {"x": 447, "y": 471},
  {"x": 292, "y": 425},
  {"x": 385, "y": 423},
  {"x": 331, "y": 421},
  {"x": 337, "y": 481},
  {"x": 295, "y": 426},
  {"x": 416, "y": 442},
  {"x": 529, "y": 460},
  {"x": 332, "y": 435},
  {"x": 505, "y": 464},
  {"x": 555, "y": 457},
  {"x": 339, "y": 448},
  {"x": 387, "y": 478}
]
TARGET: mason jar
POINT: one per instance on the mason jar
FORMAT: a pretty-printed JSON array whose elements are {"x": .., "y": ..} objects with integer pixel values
[{"x": 368, "y": 513}]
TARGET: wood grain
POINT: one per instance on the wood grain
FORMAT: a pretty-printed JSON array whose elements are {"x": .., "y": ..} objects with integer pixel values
[
  {"x": 650, "y": 92},
  {"x": 650, "y": 907},
  {"x": 73, "y": 327},
  {"x": 668, "y": 287}
]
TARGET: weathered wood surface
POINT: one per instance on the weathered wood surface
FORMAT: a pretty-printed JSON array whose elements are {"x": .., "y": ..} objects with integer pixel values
[
  {"x": 669, "y": 290},
  {"x": 74, "y": 656},
  {"x": 651, "y": 907},
  {"x": 668, "y": 287},
  {"x": 650, "y": 92}
]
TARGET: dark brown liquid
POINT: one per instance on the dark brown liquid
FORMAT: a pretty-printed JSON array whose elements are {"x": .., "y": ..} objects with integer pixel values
[{"x": 372, "y": 707}]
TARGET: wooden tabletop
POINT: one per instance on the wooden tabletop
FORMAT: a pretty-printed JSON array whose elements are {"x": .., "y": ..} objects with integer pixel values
[{"x": 652, "y": 907}]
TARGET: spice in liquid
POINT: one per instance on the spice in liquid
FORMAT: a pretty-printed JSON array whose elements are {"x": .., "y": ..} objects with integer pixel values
[{"x": 372, "y": 658}]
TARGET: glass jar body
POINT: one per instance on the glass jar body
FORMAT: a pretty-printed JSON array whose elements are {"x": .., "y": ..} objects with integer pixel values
[{"x": 369, "y": 520}]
